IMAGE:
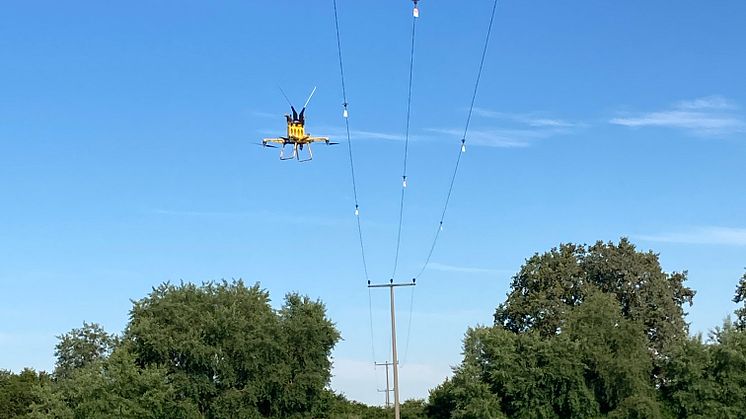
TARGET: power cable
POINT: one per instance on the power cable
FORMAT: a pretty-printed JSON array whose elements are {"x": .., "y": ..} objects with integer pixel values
[
  {"x": 345, "y": 115},
  {"x": 462, "y": 146},
  {"x": 406, "y": 143}
]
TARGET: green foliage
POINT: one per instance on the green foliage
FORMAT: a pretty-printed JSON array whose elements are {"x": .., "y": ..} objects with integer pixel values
[
  {"x": 597, "y": 365},
  {"x": 466, "y": 396},
  {"x": 740, "y": 298},
  {"x": 307, "y": 339},
  {"x": 210, "y": 351},
  {"x": 548, "y": 286},
  {"x": 515, "y": 375},
  {"x": 19, "y": 391},
  {"x": 709, "y": 380},
  {"x": 638, "y": 406},
  {"x": 580, "y": 335},
  {"x": 585, "y": 332},
  {"x": 338, "y": 407},
  {"x": 227, "y": 351},
  {"x": 597, "y": 332},
  {"x": 114, "y": 387},
  {"x": 413, "y": 409},
  {"x": 613, "y": 349},
  {"x": 80, "y": 347}
]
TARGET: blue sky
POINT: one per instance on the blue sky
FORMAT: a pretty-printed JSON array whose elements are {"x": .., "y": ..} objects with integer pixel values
[{"x": 126, "y": 158}]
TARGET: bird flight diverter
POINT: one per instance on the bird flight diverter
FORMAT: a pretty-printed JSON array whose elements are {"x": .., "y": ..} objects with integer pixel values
[{"x": 416, "y": 10}]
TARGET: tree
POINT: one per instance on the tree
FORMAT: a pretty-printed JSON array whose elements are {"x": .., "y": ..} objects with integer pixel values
[
  {"x": 740, "y": 298},
  {"x": 530, "y": 376},
  {"x": 227, "y": 351},
  {"x": 339, "y": 407},
  {"x": 597, "y": 365},
  {"x": 615, "y": 356},
  {"x": 80, "y": 347},
  {"x": 19, "y": 391},
  {"x": 549, "y": 285},
  {"x": 114, "y": 387},
  {"x": 413, "y": 409},
  {"x": 709, "y": 380},
  {"x": 307, "y": 340},
  {"x": 580, "y": 335},
  {"x": 467, "y": 395}
]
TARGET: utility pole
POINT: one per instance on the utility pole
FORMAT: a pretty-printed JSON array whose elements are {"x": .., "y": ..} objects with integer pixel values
[
  {"x": 391, "y": 285},
  {"x": 388, "y": 389}
]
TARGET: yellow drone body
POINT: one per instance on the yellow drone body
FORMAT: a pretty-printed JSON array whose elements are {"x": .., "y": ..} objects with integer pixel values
[{"x": 296, "y": 131}]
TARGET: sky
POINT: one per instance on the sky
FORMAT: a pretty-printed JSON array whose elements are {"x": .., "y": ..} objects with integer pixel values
[{"x": 128, "y": 158}]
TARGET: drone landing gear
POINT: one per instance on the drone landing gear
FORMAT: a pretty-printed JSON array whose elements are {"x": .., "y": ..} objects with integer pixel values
[
  {"x": 282, "y": 152},
  {"x": 297, "y": 148}
]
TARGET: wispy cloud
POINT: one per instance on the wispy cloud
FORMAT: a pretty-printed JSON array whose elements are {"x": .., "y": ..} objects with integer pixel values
[
  {"x": 515, "y": 130},
  {"x": 707, "y": 102},
  {"x": 373, "y": 135},
  {"x": 368, "y": 135},
  {"x": 496, "y": 137},
  {"x": 728, "y": 236},
  {"x": 465, "y": 269},
  {"x": 530, "y": 119},
  {"x": 706, "y": 116}
]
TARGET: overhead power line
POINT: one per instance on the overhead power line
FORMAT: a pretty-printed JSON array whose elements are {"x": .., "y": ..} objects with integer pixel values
[
  {"x": 346, "y": 116},
  {"x": 415, "y": 15},
  {"x": 462, "y": 145}
]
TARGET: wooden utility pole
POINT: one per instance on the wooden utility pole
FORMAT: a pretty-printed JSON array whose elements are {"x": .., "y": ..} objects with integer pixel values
[{"x": 391, "y": 285}]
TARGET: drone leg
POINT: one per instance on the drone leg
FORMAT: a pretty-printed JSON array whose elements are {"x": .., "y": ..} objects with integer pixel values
[
  {"x": 310, "y": 154},
  {"x": 282, "y": 154}
]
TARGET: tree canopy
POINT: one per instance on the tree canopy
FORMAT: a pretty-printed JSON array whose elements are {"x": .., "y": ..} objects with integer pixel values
[
  {"x": 596, "y": 331},
  {"x": 549, "y": 285},
  {"x": 585, "y": 332},
  {"x": 217, "y": 350}
]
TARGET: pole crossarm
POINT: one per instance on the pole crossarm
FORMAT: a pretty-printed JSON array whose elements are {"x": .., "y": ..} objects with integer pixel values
[{"x": 392, "y": 284}]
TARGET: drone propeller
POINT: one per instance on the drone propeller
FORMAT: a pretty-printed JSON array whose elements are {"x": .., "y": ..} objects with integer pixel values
[
  {"x": 330, "y": 143},
  {"x": 309, "y": 97},
  {"x": 284, "y": 95},
  {"x": 266, "y": 145}
]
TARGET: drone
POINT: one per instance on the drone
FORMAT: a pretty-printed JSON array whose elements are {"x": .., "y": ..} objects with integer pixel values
[{"x": 296, "y": 135}]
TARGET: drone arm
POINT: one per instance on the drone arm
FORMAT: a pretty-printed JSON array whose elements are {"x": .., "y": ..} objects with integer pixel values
[{"x": 318, "y": 140}]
